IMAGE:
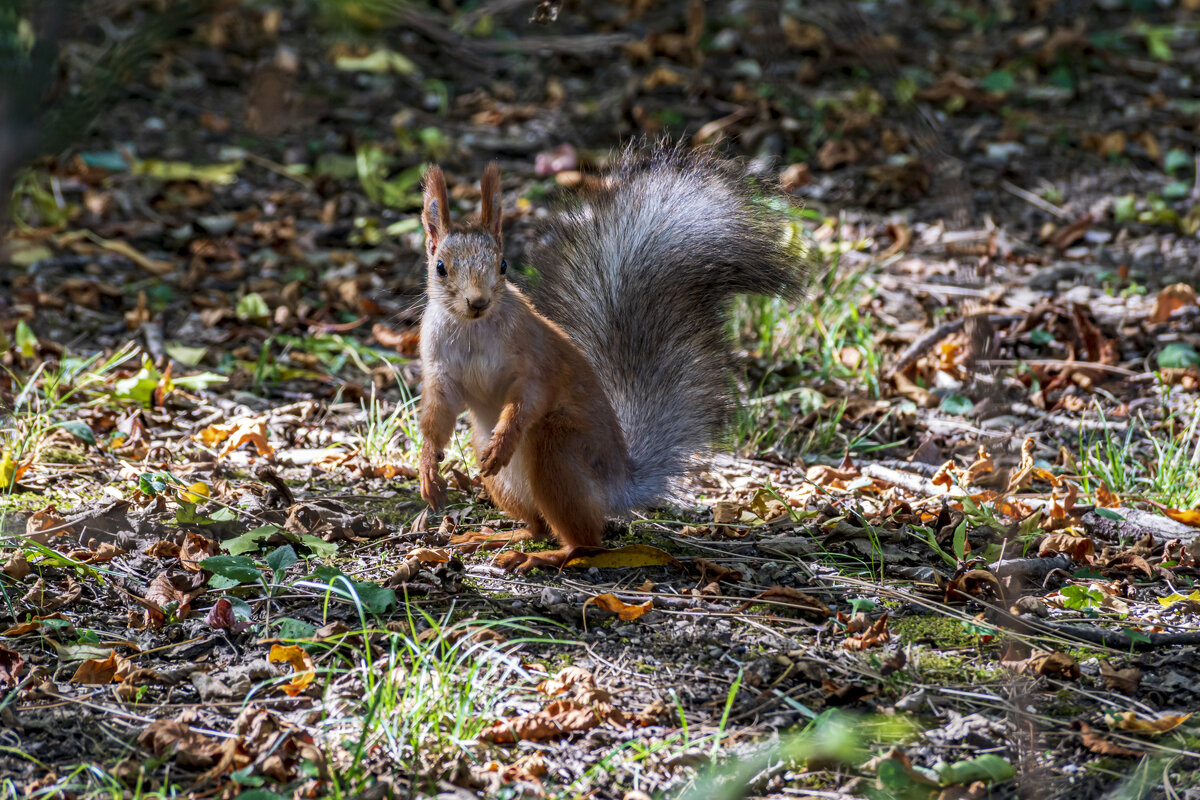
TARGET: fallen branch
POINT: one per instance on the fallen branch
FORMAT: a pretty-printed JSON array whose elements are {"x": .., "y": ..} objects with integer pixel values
[{"x": 1116, "y": 640}]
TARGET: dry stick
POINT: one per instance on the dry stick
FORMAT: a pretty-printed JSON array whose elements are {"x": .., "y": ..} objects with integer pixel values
[
  {"x": 558, "y": 44},
  {"x": 1117, "y": 640},
  {"x": 1034, "y": 200},
  {"x": 918, "y": 348}
]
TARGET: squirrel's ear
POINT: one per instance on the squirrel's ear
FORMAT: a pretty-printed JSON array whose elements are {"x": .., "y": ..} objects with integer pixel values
[
  {"x": 489, "y": 186},
  {"x": 436, "y": 216}
]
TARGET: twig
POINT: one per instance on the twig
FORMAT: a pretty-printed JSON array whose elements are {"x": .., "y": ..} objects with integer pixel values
[
  {"x": 1034, "y": 200},
  {"x": 915, "y": 350},
  {"x": 557, "y": 44},
  {"x": 467, "y": 20},
  {"x": 1051, "y": 362},
  {"x": 1117, "y": 640}
]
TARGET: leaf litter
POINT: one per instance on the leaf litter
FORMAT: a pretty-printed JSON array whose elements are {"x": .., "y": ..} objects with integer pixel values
[{"x": 968, "y": 471}]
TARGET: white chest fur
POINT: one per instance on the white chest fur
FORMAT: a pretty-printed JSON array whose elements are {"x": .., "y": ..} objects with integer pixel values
[{"x": 474, "y": 359}]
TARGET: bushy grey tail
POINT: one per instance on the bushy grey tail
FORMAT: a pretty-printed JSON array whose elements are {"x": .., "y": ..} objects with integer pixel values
[{"x": 640, "y": 270}]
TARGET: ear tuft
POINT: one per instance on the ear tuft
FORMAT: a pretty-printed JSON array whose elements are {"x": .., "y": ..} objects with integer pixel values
[
  {"x": 436, "y": 214},
  {"x": 491, "y": 213}
]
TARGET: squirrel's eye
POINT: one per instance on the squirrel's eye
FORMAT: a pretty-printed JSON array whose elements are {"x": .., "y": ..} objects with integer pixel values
[
  {"x": 503, "y": 266},
  {"x": 441, "y": 269}
]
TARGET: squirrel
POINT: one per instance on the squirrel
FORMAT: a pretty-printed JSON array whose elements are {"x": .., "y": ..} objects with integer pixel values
[{"x": 593, "y": 391}]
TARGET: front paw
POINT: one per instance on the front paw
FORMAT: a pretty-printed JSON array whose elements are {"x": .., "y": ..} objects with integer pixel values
[
  {"x": 433, "y": 486},
  {"x": 495, "y": 456}
]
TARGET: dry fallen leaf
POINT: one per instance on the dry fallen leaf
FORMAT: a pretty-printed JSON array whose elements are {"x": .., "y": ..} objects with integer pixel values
[
  {"x": 16, "y": 567},
  {"x": 1080, "y": 548},
  {"x": 97, "y": 671},
  {"x": 1171, "y": 299},
  {"x": 1099, "y": 745},
  {"x": 1131, "y": 721},
  {"x": 1041, "y": 662},
  {"x": 711, "y": 571},
  {"x": 235, "y": 433},
  {"x": 559, "y": 718},
  {"x": 22, "y": 628},
  {"x": 10, "y": 668},
  {"x": 567, "y": 678},
  {"x": 792, "y": 598},
  {"x": 172, "y": 738},
  {"x": 635, "y": 555},
  {"x": 303, "y": 670},
  {"x": 876, "y": 634},
  {"x": 1125, "y": 681},
  {"x": 610, "y": 602}
]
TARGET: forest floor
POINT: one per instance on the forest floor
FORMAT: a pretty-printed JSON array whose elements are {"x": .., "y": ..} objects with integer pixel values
[{"x": 949, "y": 549}]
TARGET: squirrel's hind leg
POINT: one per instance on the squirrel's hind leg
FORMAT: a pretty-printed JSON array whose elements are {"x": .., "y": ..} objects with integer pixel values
[
  {"x": 516, "y": 506},
  {"x": 569, "y": 494}
]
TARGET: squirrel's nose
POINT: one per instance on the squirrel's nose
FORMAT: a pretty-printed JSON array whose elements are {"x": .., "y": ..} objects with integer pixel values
[{"x": 477, "y": 303}]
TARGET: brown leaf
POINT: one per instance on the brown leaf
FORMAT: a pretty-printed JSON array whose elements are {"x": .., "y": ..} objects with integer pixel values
[
  {"x": 22, "y": 628},
  {"x": 1101, "y": 746},
  {"x": 1105, "y": 498},
  {"x": 711, "y": 571},
  {"x": 559, "y": 718},
  {"x": 831, "y": 478},
  {"x": 1188, "y": 517},
  {"x": 235, "y": 433},
  {"x": 221, "y": 617},
  {"x": 1171, "y": 299},
  {"x": 876, "y": 634},
  {"x": 1080, "y": 548},
  {"x": 181, "y": 588},
  {"x": 427, "y": 555},
  {"x": 971, "y": 584},
  {"x": 1062, "y": 501},
  {"x": 1041, "y": 662},
  {"x": 16, "y": 567},
  {"x": 792, "y": 598},
  {"x": 10, "y": 669},
  {"x": 43, "y": 524},
  {"x": 1125, "y": 681},
  {"x": 172, "y": 738},
  {"x": 37, "y": 599},
  {"x": 163, "y": 549},
  {"x": 97, "y": 671},
  {"x": 726, "y": 512},
  {"x": 610, "y": 602},
  {"x": 196, "y": 548},
  {"x": 567, "y": 678},
  {"x": 983, "y": 464},
  {"x": 634, "y": 555}
]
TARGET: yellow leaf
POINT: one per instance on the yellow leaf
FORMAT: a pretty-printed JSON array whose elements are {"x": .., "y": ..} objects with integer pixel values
[
  {"x": 243, "y": 430},
  {"x": 11, "y": 471},
  {"x": 1130, "y": 721},
  {"x": 152, "y": 265},
  {"x": 610, "y": 602},
  {"x": 198, "y": 492},
  {"x": 635, "y": 555},
  {"x": 303, "y": 670},
  {"x": 1189, "y": 517},
  {"x": 1175, "y": 597}
]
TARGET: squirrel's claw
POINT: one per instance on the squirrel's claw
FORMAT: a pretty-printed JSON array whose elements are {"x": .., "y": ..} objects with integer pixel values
[
  {"x": 433, "y": 487},
  {"x": 495, "y": 457}
]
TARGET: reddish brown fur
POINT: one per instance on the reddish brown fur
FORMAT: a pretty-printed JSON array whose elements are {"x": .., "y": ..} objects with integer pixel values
[{"x": 549, "y": 443}]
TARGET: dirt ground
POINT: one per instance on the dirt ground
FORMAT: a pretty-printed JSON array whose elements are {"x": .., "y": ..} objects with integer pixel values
[{"x": 947, "y": 550}]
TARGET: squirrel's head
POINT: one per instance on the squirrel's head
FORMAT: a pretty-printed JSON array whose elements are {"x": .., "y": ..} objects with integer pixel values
[{"x": 466, "y": 261}]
